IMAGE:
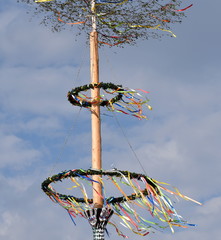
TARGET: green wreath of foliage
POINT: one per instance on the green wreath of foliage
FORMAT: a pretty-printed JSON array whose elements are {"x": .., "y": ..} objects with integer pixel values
[
  {"x": 73, "y": 94},
  {"x": 80, "y": 172}
]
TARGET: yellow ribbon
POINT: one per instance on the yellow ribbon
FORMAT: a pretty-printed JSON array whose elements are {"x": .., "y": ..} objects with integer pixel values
[
  {"x": 43, "y": 1},
  {"x": 120, "y": 3},
  {"x": 156, "y": 27}
]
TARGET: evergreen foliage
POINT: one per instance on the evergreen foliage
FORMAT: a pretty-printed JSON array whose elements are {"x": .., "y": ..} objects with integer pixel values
[{"x": 118, "y": 21}]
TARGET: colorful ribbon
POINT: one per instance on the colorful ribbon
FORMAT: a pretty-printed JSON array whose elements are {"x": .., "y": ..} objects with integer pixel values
[
  {"x": 43, "y": 1},
  {"x": 149, "y": 195}
]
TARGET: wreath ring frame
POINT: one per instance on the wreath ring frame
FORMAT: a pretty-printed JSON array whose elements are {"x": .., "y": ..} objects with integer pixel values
[
  {"x": 80, "y": 172},
  {"x": 74, "y": 100}
]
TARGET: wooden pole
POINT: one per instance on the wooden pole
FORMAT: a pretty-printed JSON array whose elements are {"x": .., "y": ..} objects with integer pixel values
[
  {"x": 95, "y": 119},
  {"x": 101, "y": 214}
]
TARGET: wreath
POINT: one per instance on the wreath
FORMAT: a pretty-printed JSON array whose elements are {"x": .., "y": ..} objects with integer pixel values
[{"x": 77, "y": 99}]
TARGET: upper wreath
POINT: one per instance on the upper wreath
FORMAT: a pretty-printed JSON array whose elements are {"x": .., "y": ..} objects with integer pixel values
[{"x": 118, "y": 21}]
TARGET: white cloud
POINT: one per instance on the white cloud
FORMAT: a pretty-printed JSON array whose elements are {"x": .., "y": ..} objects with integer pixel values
[
  {"x": 9, "y": 223},
  {"x": 16, "y": 153},
  {"x": 28, "y": 90},
  {"x": 25, "y": 42},
  {"x": 211, "y": 208}
]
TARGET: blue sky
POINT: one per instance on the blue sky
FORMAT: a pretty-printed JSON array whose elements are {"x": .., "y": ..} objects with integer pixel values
[{"x": 42, "y": 134}]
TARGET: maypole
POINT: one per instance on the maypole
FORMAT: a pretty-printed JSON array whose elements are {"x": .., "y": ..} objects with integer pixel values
[
  {"x": 98, "y": 227},
  {"x": 95, "y": 109},
  {"x": 119, "y": 22}
]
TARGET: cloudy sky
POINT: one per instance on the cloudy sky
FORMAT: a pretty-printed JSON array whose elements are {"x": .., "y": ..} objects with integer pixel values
[{"x": 42, "y": 134}]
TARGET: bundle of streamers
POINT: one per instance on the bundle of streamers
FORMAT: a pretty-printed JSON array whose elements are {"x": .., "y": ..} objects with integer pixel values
[
  {"x": 118, "y": 21},
  {"x": 146, "y": 208},
  {"x": 124, "y": 100}
]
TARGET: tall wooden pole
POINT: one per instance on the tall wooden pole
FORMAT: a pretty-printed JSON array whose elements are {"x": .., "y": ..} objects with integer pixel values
[
  {"x": 95, "y": 112},
  {"x": 99, "y": 215}
]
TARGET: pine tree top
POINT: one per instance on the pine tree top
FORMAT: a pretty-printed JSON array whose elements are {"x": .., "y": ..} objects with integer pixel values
[{"x": 119, "y": 22}]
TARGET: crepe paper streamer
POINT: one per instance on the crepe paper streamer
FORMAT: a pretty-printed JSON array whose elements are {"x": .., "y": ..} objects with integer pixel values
[
  {"x": 157, "y": 27},
  {"x": 148, "y": 196},
  {"x": 99, "y": 2},
  {"x": 180, "y": 10},
  {"x": 151, "y": 27},
  {"x": 43, "y": 1},
  {"x": 113, "y": 24},
  {"x": 163, "y": 20},
  {"x": 127, "y": 101},
  {"x": 59, "y": 19},
  {"x": 102, "y": 2},
  {"x": 166, "y": 30},
  {"x": 111, "y": 45},
  {"x": 117, "y": 230},
  {"x": 116, "y": 38},
  {"x": 176, "y": 10},
  {"x": 71, "y": 216}
]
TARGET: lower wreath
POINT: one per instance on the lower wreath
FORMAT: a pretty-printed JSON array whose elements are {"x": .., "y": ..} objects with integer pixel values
[{"x": 85, "y": 173}]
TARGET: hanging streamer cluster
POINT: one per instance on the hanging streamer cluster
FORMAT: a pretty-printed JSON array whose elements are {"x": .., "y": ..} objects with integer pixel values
[
  {"x": 148, "y": 196},
  {"x": 118, "y": 21},
  {"x": 125, "y": 100}
]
